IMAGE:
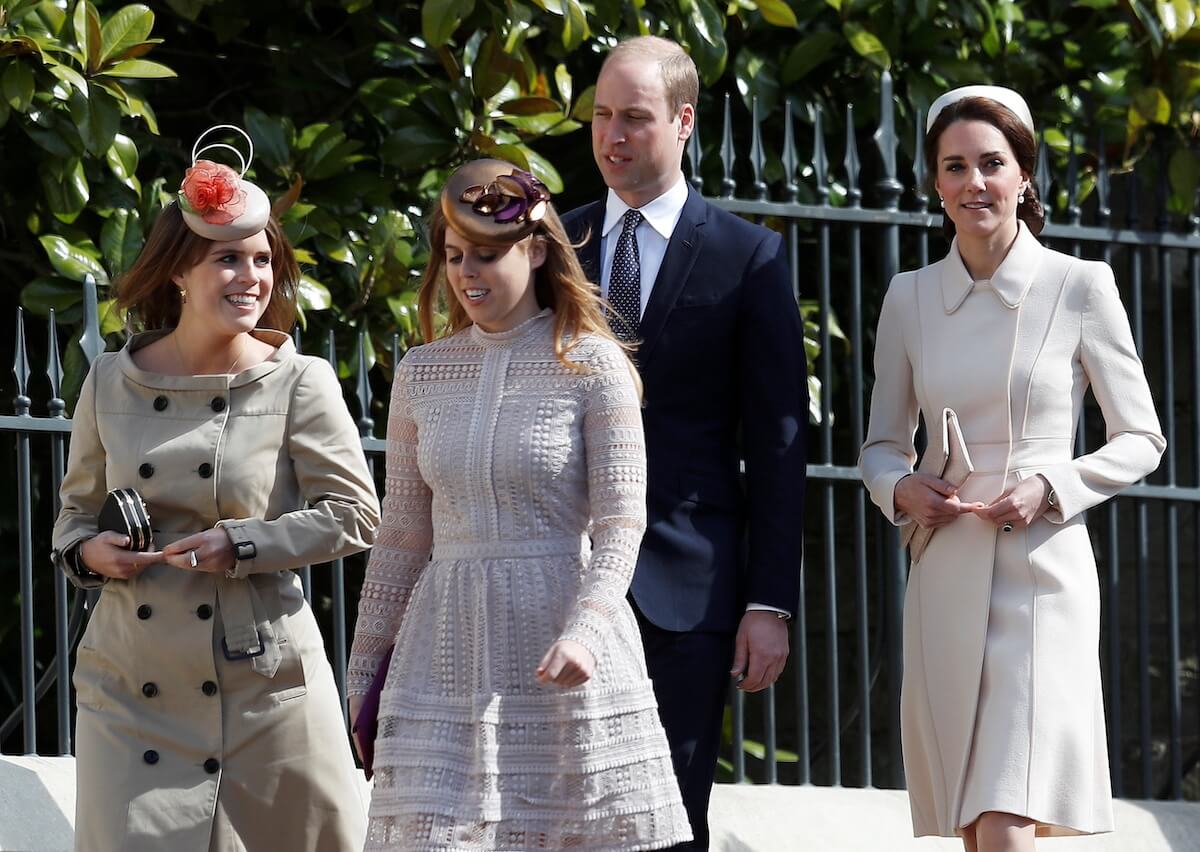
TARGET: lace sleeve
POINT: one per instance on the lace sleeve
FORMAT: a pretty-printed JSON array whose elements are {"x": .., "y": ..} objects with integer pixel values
[
  {"x": 402, "y": 545},
  {"x": 616, "y": 460}
]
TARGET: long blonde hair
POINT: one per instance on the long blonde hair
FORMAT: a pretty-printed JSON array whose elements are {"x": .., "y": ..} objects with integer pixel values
[{"x": 559, "y": 284}]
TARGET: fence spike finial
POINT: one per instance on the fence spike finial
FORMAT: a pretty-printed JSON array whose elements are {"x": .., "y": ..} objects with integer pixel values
[
  {"x": 1041, "y": 177},
  {"x": 56, "y": 407},
  {"x": 851, "y": 161},
  {"x": 366, "y": 425},
  {"x": 1103, "y": 211},
  {"x": 21, "y": 368},
  {"x": 1074, "y": 213},
  {"x": 91, "y": 341},
  {"x": 757, "y": 156},
  {"x": 791, "y": 189},
  {"x": 727, "y": 154},
  {"x": 886, "y": 141},
  {"x": 919, "y": 172},
  {"x": 820, "y": 162}
]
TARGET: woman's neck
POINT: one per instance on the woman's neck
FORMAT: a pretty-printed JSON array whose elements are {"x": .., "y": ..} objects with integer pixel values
[
  {"x": 202, "y": 353},
  {"x": 982, "y": 256}
]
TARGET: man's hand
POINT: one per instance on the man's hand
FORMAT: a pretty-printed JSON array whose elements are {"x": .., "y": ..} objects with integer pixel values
[{"x": 760, "y": 650}]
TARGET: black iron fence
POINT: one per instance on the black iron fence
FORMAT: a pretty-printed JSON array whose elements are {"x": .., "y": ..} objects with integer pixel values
[{"x": 834, "y": 717}]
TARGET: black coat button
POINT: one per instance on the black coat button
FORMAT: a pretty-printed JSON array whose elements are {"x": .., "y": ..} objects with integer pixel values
[
  {"x": 218, "y": 404},
  {"x": 160, "y": 403},
  {"x": 212, "y": 765},
  {"x": 204, "y": 611},
  {"x": 149, "y": 690},
  {"x": 206, "y": 470},
  {"x": 143, "y": 611},
  {"x": 146, "y": 470},
  {"x": 208, "y": 688},
  {"x": 150, "y": 756}
]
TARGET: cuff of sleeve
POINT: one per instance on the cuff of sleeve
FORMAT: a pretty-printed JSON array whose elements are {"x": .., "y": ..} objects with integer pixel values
[
  {"x": 884, "y": 490},
  {"x": 69, "y": 562},
  {"x": 1058, "y": 478},
  {"x": 244, "y": 550},
  {"x": 757, "y": 607}
]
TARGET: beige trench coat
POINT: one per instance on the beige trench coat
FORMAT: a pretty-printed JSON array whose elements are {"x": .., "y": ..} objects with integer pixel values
[
  {"x": 1001, "y": 705},
  {"x": 181, "y": 745}
]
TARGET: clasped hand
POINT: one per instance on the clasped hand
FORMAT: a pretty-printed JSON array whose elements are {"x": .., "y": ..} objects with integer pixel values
[
  {"x": 107, "y": 554},
  {"x": 933, "y": 502}
]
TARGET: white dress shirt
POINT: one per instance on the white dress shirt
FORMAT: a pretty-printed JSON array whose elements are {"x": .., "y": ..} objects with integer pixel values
[{"x": 653, "y": 233}]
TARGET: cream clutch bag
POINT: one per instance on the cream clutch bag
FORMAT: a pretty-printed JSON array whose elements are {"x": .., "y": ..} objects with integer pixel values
[{"x": 955, "y": 467}]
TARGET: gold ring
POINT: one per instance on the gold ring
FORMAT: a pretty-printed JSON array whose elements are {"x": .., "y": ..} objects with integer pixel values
[{"x": 192, "y": 558}]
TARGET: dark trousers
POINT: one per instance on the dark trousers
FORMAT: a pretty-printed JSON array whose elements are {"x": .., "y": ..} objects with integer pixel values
[{"x": 690, "y": 672}]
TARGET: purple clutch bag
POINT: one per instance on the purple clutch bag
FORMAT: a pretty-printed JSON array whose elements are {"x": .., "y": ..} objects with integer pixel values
[{"x": 366, "y": 726}]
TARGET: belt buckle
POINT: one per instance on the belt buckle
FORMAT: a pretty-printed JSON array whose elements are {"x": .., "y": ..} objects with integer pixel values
[{"x": 244, "y": 655}]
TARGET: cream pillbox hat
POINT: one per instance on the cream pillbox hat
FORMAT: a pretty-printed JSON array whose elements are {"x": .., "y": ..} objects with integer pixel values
[{"x": 1005, "y": 97}]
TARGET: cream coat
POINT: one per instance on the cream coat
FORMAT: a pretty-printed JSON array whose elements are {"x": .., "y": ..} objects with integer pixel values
[
  {"x": 178, "y": 746},
  {"x": 1001, "y": 706}
]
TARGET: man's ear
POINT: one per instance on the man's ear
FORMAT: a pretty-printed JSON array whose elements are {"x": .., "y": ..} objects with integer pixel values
[{"x": 687, "y": 122}]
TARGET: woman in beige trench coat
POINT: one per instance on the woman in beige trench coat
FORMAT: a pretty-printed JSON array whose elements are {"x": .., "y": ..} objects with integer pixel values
[
  {"x": 1001, "y": 709},
  {"x": 208, "y": 715}
]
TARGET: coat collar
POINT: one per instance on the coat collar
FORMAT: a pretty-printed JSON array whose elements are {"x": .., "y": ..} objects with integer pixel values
[
  {"x": 284, "y": 349},
  {"x": 1011, "y": 280}
]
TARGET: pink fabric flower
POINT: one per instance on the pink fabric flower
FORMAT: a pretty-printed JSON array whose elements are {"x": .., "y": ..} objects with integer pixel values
[{"x": 213, "y": 192}]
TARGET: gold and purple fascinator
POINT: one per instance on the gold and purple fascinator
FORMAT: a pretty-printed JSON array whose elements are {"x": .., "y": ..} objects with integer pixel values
[
  {"x": 217, "y": 202},
  {"x": 491, "y": 202}
]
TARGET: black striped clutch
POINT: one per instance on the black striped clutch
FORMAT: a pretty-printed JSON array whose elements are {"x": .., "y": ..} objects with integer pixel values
[{"x": 124, "y": 511}]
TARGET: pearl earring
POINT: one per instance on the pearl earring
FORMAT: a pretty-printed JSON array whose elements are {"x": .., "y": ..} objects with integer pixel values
[
  {"x": 1021, "y": 197},
  {"x": 942, "y": 201}
]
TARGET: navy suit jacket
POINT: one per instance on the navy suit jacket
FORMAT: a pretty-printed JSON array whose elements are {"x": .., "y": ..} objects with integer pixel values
[{"x": 722, "y": 359}]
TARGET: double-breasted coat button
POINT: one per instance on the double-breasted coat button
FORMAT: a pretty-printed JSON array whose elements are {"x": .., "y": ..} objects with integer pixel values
[
  {"x": 144, "y": 611},
  {"x": 150, "y": 756},
  {"x": 146, "y": 470},
  {"x": 204, "y": 612},
  {"x": 212, "y": 765},
  {"x": 206, "y": 470},
  {"x": 209, "y": 688},
  {"x": 160, "y": 403},
  {"x": 218, "y": 404},
  {"x": 149, "y": 689}
]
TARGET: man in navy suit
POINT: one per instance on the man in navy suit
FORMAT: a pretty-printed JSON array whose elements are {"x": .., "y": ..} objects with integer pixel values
[{"x": 721, "y": 352}]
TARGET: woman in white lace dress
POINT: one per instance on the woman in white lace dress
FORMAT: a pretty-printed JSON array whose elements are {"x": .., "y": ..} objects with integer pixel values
[{"x": 516, "y": 712}]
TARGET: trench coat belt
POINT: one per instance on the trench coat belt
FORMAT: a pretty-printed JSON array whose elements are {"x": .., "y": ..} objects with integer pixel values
[
  {"x": 568, "y": 545},
  {"x": 1026, "y": 453},
  {"x": 248, "y": 632}
]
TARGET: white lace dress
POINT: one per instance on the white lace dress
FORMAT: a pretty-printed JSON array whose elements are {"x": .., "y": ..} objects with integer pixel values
[{"x": 501, "y": 462}]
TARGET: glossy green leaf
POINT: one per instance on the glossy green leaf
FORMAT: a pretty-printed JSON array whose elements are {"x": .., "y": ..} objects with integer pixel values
[
  {"x": 529, "y": 106},
  {"x": 121, "y": 239},
  {"x": 17, "y": 85},
  {"x": 131, "y": 25},
  {"x": 313, "y": 295},
  {"x": 1176, "y": 16},
  {"x": 139, "y": 69},
  {"x": 97, "y": 117},
  {"x": 70, "y": 261},
  {"x": 69, "y": 75},
  {"x": 582, "y": 111},
  {"x": 42, "y": 294},
  {"x": 703, "y": 29},
  {"x": 1152, "y": 105},
  {"x": 414, "y": 146},
  {"x": 112, "y": 317},
  {"x": 562, "y": 81},
  {"x": 518, "y": 155},
  {"x": 543, "y": 170},
  {"x": 66, "y": 196},
  {"x": 575, "y": 25},
  {"x": 808, "y": 53},
  {"x": 122, "y": 159},
  {"x": 88, "y": 39},
  {"x": 404, "y": 313},
  {"x": 440, "y": 18},
  {"x": 867, "y": 45},
  {"x": 1184, "y": 175},
  {"x": 777, "y": 13}
]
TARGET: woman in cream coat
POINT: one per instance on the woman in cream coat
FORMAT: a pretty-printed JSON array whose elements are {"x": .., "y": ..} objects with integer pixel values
[
  {"x": 1001, "y": 707},
  {"x": 208, "y": 715}
]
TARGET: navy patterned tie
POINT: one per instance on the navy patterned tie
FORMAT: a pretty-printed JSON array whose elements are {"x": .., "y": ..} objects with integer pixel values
[{"x": 625, "y": 282}]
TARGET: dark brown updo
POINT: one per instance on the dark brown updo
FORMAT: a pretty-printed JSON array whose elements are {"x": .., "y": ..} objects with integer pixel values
[{"x": 1020, "y": 139}]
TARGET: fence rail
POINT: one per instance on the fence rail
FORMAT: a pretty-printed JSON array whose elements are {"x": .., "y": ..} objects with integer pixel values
[{"x": 834, "y": 717}]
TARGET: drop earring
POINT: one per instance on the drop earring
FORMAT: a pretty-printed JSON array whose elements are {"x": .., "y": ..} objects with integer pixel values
[
  {"x": 182, "y": 296},
  {"x": 942, "y": 201},
  {"x": 1021, "y": 197}
]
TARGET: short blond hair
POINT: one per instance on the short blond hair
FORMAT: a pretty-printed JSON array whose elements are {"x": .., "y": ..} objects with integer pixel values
[{"x": 680, "y": 79}]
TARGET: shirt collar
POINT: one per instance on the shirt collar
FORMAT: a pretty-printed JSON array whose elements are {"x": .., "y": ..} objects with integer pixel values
[
  {"x": 662, "y": 213},
  {"x": 1010, "y": 281}
]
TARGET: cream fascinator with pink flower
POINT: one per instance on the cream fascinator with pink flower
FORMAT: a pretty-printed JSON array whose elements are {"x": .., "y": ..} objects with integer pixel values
[{"x": 217, "y": 202}]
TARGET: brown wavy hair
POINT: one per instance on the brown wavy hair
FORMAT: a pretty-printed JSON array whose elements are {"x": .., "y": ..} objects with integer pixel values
[
  {"x": 146, "y": 290},
  {"x": 1020, "y": 139},
  {"x": 559, "y": 284}
]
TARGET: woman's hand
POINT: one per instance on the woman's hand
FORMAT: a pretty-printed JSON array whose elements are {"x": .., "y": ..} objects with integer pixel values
[
  {"x": 1021, "y": 506},
  {"x": 210, "y": 552},
  {"x": 567, "y": 664},
  {"x": 107, "y": 554},
  {"x": 930, "y": 501}
]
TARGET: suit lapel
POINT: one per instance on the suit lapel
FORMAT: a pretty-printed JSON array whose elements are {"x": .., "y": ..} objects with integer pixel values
[
  {"x": 590, "y": 225},
  {"x": 682, "y": 251}
]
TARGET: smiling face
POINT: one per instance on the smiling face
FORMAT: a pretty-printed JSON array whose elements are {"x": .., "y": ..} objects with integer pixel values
[
  {"x": 979, "y": 180},
  {"x": 637, "y": 139},
  {"x": 494, "y": 284},
  {"x": 230, "y": 287}
]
